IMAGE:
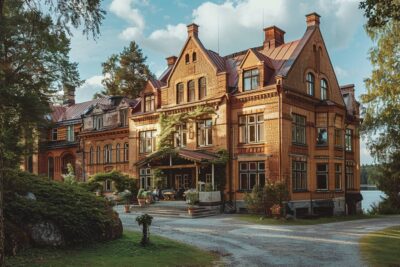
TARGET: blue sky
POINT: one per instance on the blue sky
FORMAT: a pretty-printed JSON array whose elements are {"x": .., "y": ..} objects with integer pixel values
[{"x": 159, "y": 27}]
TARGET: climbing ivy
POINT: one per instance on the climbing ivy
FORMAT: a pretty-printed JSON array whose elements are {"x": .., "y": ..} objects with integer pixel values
[{"x": 168, "y": 123}]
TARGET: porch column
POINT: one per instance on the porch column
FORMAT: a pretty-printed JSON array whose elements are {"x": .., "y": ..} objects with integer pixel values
[
  {"x": 197, "y": 177},
  {"x": 212, "y": 175}
]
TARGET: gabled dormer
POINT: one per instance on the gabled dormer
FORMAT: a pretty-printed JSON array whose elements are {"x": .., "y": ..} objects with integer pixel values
[{"x": 150, "y": 96}]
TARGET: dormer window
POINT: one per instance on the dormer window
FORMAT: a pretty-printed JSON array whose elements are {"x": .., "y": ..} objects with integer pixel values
[
  {"x": 202, "y": 88},
  {"x": 310, "y": 84},
  {"x": 250, "y": 79},
  {"x": 194, "y": 56},
  {"x": 149, "y": 103},
  {"x": 187, "y": 59},
  {"x": 54, "y": 134},
  {"x": 122, "y": 117},
  {"x": 324, "y": 89},
  {"x": 179, "y": 93},
  {"x": 191, "y": 91},
  {"x": 98, "y": 122}
]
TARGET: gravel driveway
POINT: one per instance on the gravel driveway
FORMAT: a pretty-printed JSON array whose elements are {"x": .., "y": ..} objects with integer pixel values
[{"x": 244, "y": 244}]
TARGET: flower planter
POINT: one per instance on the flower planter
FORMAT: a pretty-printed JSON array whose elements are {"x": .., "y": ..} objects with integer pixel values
[
  {"x": 142, "y": 202},
  {"x": 127, "y": 208}
]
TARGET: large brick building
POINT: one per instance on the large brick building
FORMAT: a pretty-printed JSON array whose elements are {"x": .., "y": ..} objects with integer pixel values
[{"x": 279, "y": 113}]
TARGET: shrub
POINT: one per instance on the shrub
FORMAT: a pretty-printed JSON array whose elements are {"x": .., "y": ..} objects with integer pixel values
[
  {"x": 121, "y": 181},
  {"x": 383, "y": 207},
  {"x": 80, "y": 216},
  {"x": 262, "y": 199},
  {"x": 70, "y": 178},
  {"x": 192, "y": 198},
  {"x": 255, "y": 200}
]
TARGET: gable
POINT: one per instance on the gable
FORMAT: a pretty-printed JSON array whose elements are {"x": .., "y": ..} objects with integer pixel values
[
  {"x": 250, "y": 60},
  {"x": 314, "y": 58}
]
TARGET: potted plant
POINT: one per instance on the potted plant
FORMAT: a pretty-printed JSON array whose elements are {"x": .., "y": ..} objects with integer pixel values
[
  {"x": 141, "y": 197},
  {"x": 191, "y": 199},
  {"x": 148, "y": 197},
  {"x": 126, "y": 196}
]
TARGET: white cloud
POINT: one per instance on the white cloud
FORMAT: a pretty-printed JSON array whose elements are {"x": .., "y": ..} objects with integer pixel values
[
  {"x": 89, "y": 88},
  {"x": 125, "y": 10}
]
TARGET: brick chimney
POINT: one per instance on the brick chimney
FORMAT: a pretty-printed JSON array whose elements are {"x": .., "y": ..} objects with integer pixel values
[
  {"x": 69, "y": 94},
  {"x": 312, "y": 19},
  {"x": 193, "y": 30},
  {"x": 171, "y": 60},
  {"x": 274, "y": 37}
]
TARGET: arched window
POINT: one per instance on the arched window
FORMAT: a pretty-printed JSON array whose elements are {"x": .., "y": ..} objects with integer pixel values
[
  {"x": 310, "y": 83},
  {"x": 91, "y": 155},
  {"x": 324, "y": 89},
  {"x": 191, "y": 91},
  {"x": 202, "y": 88},
  {"x": 179, "y": 93},
  {"x": 126, "y": 152},
  {"x": 98, "y": 155},
  {"x": 194, "y": 56},
  {"x": 107, "y": 153},
  {"x": 118, "y": 153},
  {"x": 187, "y": 59}
]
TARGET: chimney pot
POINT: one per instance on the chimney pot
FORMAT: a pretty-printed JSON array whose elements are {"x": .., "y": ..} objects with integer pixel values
[
  {"x": 193, "y": 30},
  {"x": 274, "y": 37},
  {"x": 171, "y": 60},
  {"x": 312, "y": 19}
]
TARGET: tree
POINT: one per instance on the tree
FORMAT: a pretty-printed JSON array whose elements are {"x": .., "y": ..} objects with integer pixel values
[
  {"x": 125, "y": 74},
  {"x": 34, "y": 64},
  {"x": 381, "y": 124},
  {"x": 145, "y": 220}
]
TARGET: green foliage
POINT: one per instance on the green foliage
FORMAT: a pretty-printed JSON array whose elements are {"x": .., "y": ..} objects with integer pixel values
[
  {"x": 255, "y": 201},
  {"x": 121, "y": 181},
  {"x": 380, "y": 12},
  {"x": 168, "y": 125},
  {"x": 208, "y": 187},
  {"x": 369, "y": 173},
  {"x": 192, "y": 198},
  {"x": 276, "y": 192},
  {"x": 125, "y": 74},
  {"x": 261, "y": 199},
  {"x": 141, "y": 194},
  {"x": 126, "y": 196},
  {"x": 81, "y": 216},
  {"x": 69, "y": 178},
  {"x": 145, "y": 220},
  {"x": 159, "y": 177}
]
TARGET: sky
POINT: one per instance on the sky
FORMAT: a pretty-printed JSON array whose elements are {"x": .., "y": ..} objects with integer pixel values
[{"x": 225, "y": 26}]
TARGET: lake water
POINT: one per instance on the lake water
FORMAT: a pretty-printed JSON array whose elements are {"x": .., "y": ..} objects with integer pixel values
[{"x": 370, "y": 197}]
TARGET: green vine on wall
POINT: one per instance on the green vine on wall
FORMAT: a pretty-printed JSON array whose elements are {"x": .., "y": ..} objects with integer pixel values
[{"x": 168, "y": 123}]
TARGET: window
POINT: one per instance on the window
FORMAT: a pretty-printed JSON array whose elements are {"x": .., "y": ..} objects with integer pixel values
[
  {"x": 118, "y": 153},
  {"x": 251, "y": 128},
  {"x": 98, "y": 155},
  {"x": 107, "y": 154},
  {"x": 251, "y": 174},
  {"x": 299, "y": 129},
  {"x": 204, "y": 133},
  {"x": 145, "y": 178},
  {"x": 98, "y": 122},
  {"x": 349, "y": 140},
  {"x": 299, "y": 175},
  {"x": 338, "y": 137},
  {"x": 147, "y": 141},
  {"x": 123, "y": 117},
  {"x": 310, "y": 81},
  {"x": 180, "y": 135},
  {"x": 187, "y": 59},
  {"x": 350, "y": 177},
  {"x": 126, "y": 152},
  {"x": 191, "y": 91},
  {"x": 91, "y": 155},
  {"x": 54, "y": 134},
  {"x": 179, "y": 93},
  {"x": 194, "y": 56},
  {"x": 324, "y": 89},
  {"x": 70, "y": 133},
  {"x": 322, "y": 136},
  {"x": 107, "y": 185},
  {"x": 338, "y": 176},
  {"x": 149, "y": 103},
  {"x": 322, "y": 176},
  {"x": 202, "y": 88},
  {"x": 250, "y": 79}
]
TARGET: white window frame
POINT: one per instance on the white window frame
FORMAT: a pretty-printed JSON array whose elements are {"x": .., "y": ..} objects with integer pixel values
[{"x": 204, "y": 133}]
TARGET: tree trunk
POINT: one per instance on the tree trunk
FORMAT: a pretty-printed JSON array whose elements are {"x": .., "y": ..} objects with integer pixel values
[
  {"x": 2, "y": 232},
  {"x": 144, "y": 236}
]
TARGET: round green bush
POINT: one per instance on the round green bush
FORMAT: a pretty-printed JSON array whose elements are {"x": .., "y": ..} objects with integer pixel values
[{"x": 80, "y": 215}]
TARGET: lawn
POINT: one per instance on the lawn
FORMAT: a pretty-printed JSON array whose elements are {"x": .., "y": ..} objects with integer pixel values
[
  {"x": 381, "y": 248},
  {"x": 118, "y": 253},
  {"x": 260, "y": 219}
]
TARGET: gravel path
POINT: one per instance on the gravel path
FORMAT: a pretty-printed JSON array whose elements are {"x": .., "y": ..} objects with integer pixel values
[{"x": 245, "y": 244}]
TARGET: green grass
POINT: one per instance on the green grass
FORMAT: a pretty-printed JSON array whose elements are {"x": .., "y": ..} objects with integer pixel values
[
  {"x": 381, "y": 248},
  {"x": 260, "y": 219},
  {"x": 125, "y": 251}
]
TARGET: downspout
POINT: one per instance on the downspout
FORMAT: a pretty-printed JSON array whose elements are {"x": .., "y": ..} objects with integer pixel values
[
  {"x": 279, "y": 89},
  {"x": 344, "y": 165}
]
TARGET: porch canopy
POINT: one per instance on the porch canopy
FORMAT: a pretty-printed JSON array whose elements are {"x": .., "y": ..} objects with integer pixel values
[{"x": 181, "y": 158}]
